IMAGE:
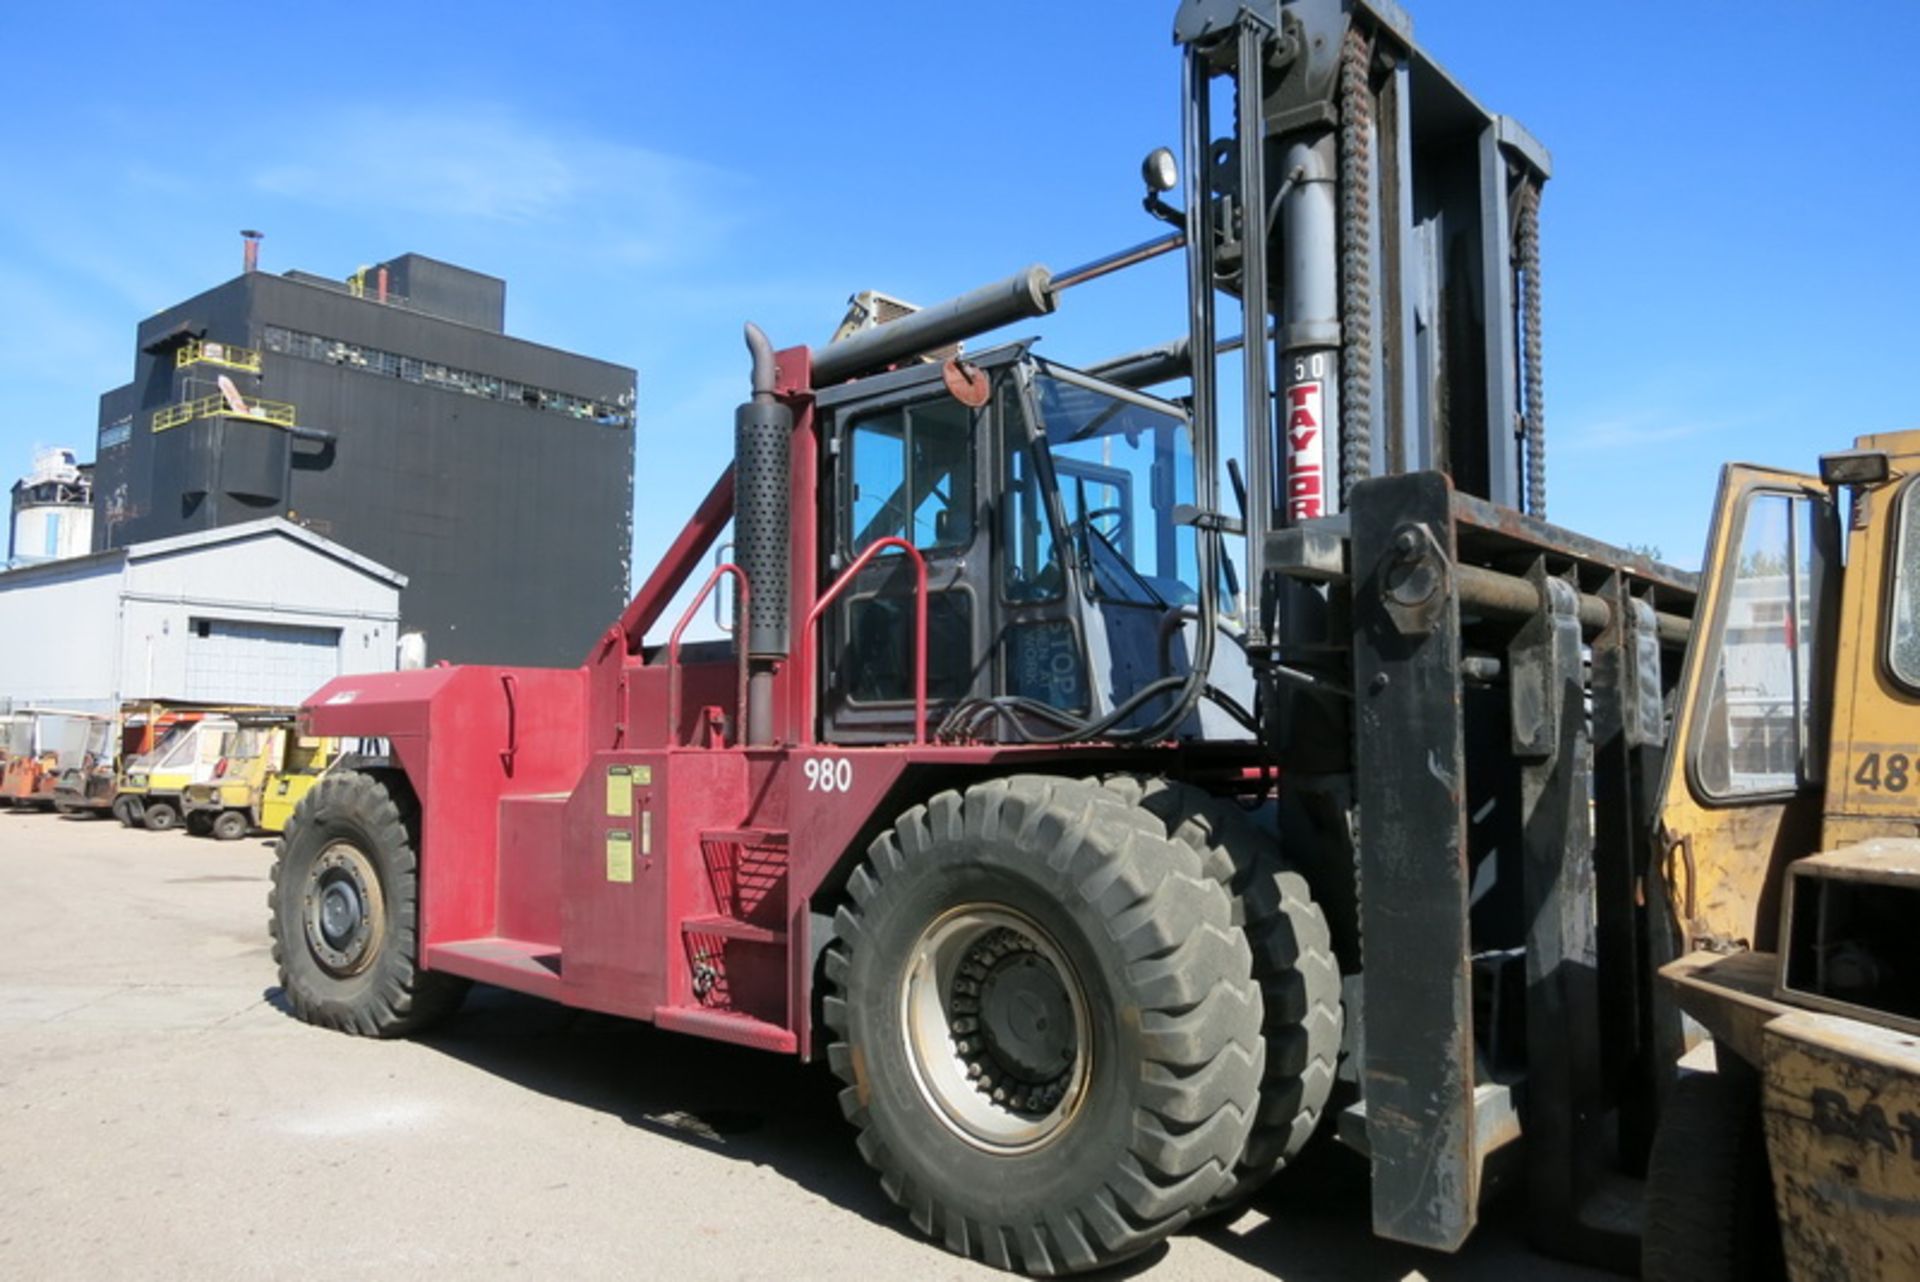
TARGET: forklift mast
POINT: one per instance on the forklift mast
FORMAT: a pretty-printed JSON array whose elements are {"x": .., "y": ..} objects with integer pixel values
[{"x": 1393, "y": 263}]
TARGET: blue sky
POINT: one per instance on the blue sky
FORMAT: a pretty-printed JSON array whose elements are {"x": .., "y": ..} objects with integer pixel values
[{"x": 1730, "y": 266}]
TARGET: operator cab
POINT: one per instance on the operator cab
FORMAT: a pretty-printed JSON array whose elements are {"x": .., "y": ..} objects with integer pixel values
[{"x": 1061, "y": 579}]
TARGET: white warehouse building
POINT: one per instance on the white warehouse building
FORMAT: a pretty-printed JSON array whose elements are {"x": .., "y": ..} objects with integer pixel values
[{"x": 264, "y": 613}]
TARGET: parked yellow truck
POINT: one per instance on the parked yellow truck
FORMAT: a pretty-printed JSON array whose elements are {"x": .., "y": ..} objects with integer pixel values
[
  {"x": 1791, "y": 830},
  {"x": 265, "y": 768},
  {"x": 151, "y": 789}
]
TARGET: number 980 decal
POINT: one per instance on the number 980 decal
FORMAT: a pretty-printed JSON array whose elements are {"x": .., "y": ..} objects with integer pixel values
[
  {"x": 1889, "y": 772},
  {"x": 827, "y": 774}
]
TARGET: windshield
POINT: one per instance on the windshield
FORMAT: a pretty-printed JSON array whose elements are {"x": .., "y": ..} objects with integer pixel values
[
  {"x": 1122, "y": 467},
  {"x": 1903, "y": 655},
  {"x": 200, "y": 744}
]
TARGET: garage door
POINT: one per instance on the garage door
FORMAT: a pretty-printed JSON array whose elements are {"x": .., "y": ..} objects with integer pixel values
[{"x": 279, "y": 663}]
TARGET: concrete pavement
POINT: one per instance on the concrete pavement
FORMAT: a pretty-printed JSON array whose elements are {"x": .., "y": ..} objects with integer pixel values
[{"x": 162, "y": 1116}]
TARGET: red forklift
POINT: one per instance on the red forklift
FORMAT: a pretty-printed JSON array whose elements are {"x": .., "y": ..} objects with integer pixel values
[{"x": 1109, "y": 841}]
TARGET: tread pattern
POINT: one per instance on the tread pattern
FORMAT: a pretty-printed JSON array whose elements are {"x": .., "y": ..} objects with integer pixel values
[
  {"x": 1188, "y": 972},
  {"x": 1293, "y": 964},
  {"x": 393, "y": 997},
  {"x": 1709, "y": 1209}
]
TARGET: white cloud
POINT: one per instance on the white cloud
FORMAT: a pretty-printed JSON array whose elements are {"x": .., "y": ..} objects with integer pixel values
[
  {"x": 1633, "y": 427},
  {"x": 487, "y": 165}
]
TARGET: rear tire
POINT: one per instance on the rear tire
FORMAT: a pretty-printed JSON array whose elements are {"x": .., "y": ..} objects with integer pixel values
[
  {"x": 981, "y": 928},
  {"x": 230, "y": 825},
  {"x": 1710, "y": 1213},
  {"x": 1293, "y": 964},
  {"x": 343, "y": 909},
  {"x": 159, "y": 816}
]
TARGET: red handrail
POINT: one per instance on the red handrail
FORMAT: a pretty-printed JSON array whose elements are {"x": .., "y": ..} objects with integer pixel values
[
  {"x": 673, "y": 650},
  {"x": 919, "y": 634}
]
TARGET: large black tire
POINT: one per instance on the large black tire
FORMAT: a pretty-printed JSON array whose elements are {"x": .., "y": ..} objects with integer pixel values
[
  {"x": 199, "y": 823},
  {"x": 1709, "y": 1212},
  {"x": 230, "y": 825},
  {"x": 1164, "y": 1074},
  {"x": 159, "y": 816},
  {"x": 1293, "y": 964},
  {"x": 127, "y": 811},
  {"x": 344, "y": 913}
]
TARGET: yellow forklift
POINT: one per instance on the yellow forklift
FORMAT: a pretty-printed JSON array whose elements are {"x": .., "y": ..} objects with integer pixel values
[
  {"x": 265, "y": 768},
  {"x": 1790, "y": 826},
  {"x": 308, "y": 757},
  {"x": 150, "y": 790}
]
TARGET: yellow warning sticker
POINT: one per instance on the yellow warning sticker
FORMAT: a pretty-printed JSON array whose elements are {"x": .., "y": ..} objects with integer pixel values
[
  {"x": 619, "y": 855},
  {"x": 619, "y": 791}
]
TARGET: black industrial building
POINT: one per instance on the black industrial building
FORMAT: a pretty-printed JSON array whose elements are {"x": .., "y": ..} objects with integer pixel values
[{"x": 391, "y": 413}]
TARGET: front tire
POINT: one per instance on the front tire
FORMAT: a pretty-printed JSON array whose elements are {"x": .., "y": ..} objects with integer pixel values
[
  {"x": 1046, "y": 1023},
  {"x": 159, "y": 816},
  {"x": 230, "y": 825},
  {"x": 344, "y": 914},
  {"x": 1293, "y": 964},
  {"x": 199, "y": 823}
]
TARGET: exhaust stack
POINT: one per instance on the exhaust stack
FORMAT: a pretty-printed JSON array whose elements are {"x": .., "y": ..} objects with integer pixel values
[{"x": 762, "y": 436}]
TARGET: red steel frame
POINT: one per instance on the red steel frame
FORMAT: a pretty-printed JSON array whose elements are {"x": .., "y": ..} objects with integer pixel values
[{"x": 574, "y": 842}]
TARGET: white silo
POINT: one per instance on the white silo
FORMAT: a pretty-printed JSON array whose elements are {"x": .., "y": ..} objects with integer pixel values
[{"x": 52, "y": 509}]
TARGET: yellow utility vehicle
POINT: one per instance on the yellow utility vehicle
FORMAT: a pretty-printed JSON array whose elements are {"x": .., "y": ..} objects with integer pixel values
[
  {"x": 307, "y": 758},
  {"x": 151, "y": 789},
  {"x": 1790, "y": 825},
  {"x": 265, "y": 768}
]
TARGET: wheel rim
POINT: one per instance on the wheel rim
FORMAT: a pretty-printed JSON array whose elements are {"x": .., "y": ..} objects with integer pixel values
[
  {"x": 996, "y": 1027},
  {"x": 344, "y": 911}
]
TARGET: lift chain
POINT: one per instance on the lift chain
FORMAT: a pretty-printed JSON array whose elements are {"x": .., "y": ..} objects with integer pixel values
[
  {"x": 1534, "y": 415},
  {"x": 1356, "y": 259}
]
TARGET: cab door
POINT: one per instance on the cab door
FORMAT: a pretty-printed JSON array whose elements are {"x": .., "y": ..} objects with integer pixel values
[
  {"x": 909, "y": 464},
  {"x": 1744, "y": 776},
  {"x": 1873, "y": 763}
]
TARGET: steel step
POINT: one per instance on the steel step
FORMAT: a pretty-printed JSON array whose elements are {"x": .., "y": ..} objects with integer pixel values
[
  {"x": 732, "y": 928},
  {"x": 750, "y": 837},
  {"x": 727, "y": 1026},
  {"x": 523, "y": 965}
]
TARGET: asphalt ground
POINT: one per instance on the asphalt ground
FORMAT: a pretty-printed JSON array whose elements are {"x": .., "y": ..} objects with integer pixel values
[{"x": 162, "y": 1115}]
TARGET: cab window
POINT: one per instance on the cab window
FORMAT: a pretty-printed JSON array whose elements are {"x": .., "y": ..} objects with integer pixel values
[
  {"x": 1756, "y": 726},
  {"x": 912, "y": 476},
  {"x": 1123, "y": 466},
  {"x": 1903, "y": 634}
]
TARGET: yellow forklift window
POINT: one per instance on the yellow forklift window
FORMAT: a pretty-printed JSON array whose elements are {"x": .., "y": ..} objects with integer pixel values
[
  {"x": 1756, "y": 735},
  {"x": 1903, "y": 634}
]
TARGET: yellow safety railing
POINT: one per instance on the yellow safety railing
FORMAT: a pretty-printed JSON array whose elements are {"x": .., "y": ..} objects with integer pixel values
[
  {"x": 216, "y": 406},
  {"x": 199, "y": 352}
]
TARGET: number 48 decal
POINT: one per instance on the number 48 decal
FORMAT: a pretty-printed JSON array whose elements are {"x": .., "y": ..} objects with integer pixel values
[{"x": 1889, "y": 772}]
